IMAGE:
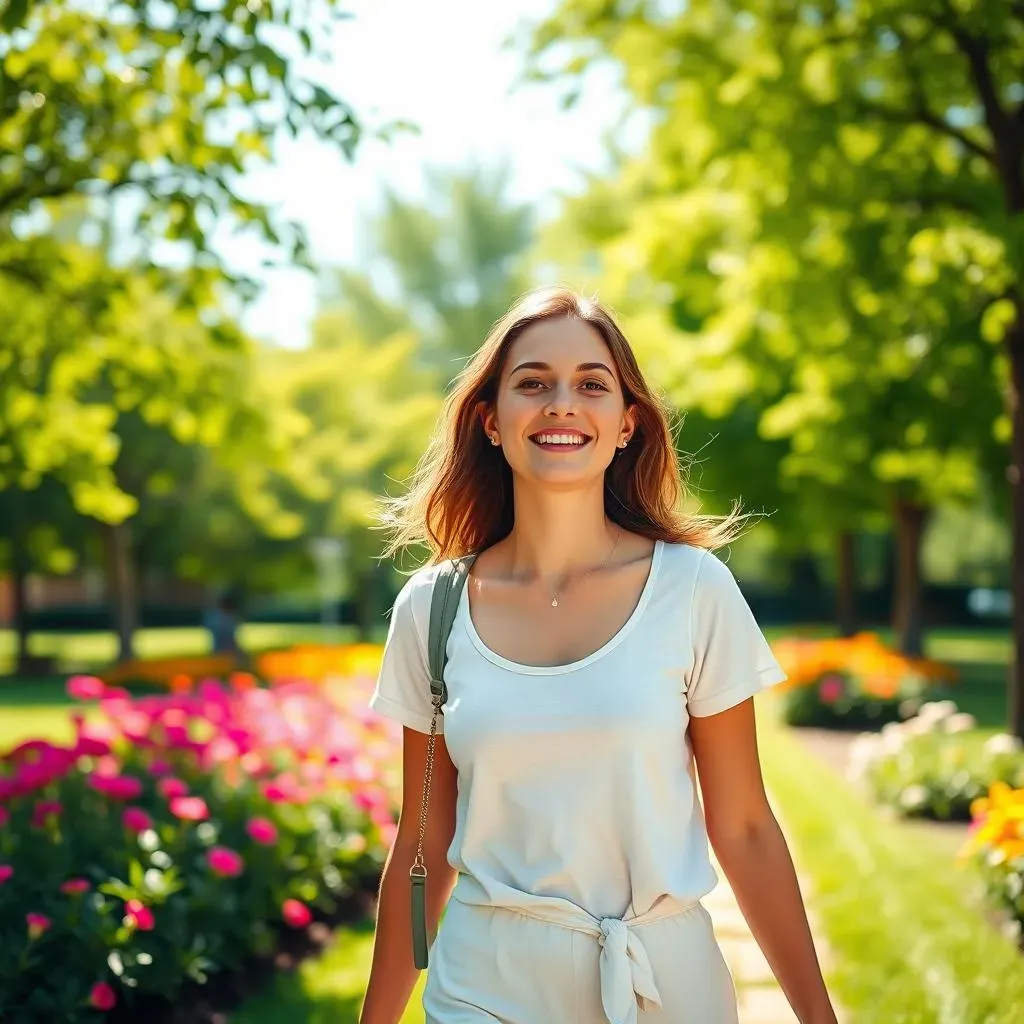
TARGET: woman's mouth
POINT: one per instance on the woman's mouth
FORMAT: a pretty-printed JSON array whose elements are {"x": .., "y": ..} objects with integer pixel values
[{"x": 560, "y": 440}]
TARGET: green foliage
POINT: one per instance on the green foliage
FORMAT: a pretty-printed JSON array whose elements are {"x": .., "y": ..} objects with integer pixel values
[
  {"x": 817, "y": 228},
  {"x": 907, "y": 935},
  {"x": 177, "y": 103},
  {"x": 458, "y": 260},
  {"x": 934, "y": 766},
  {"x": 176, "y": 888}
]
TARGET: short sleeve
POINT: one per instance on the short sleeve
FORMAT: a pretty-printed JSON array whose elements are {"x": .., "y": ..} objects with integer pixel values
[
  {"x": 731, "y": 657},
  {"x": 402, "y": 691}
]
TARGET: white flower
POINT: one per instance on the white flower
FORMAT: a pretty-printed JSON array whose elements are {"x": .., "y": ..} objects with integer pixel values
[
  {"x": 960, "y": 722},
  {"x": 914, "y": 796},
  {"x": 923, "y": 725},
  {"x": 936, "y": 710},
  {"x": 1003, "y": 743}
]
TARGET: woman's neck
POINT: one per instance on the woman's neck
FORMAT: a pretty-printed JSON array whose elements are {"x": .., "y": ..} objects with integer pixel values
[{"x": 558, "y": 535}]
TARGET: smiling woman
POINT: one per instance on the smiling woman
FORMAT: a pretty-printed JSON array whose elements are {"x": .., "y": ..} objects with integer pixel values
[{"x": 563, "y": 829}]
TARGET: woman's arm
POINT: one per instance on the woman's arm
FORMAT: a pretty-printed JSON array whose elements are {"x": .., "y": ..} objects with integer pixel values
[
  {"x": 754, "y": 856},
  {"x": 392, "y": 973}
]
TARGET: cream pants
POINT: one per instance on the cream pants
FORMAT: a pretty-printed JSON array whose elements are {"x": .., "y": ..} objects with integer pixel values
[{"x": 517, "y": 966}]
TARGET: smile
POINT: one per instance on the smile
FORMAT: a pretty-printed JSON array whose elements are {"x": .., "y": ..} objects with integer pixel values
[{"x": 559, "y": 440}]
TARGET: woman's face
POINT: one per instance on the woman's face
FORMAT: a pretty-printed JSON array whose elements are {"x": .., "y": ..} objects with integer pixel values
[{"x": 560, "y": 413}]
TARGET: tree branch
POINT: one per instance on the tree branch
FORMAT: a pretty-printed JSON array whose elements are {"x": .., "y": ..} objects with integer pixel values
[{"x": 922, "y": 115}]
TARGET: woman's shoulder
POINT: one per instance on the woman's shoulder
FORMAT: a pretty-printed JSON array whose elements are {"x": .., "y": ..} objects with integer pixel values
[{"x": 419, "y": 585}]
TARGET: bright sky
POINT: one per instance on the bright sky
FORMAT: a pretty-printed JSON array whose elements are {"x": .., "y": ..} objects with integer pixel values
[{"x": 441, "y": 66}]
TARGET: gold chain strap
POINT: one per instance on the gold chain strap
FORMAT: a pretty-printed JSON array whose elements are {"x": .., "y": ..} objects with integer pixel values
[{"x": 419, "y": 866}]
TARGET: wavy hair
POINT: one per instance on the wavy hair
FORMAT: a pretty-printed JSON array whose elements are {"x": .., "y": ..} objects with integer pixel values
[{"x": 460, "y": 498}]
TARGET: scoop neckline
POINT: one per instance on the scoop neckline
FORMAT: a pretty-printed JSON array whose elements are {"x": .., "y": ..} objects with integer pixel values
[{"x": 573, "y": 666}]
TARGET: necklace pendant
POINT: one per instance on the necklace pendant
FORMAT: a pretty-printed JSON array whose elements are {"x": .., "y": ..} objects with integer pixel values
[{"x": 554, "y": 601}]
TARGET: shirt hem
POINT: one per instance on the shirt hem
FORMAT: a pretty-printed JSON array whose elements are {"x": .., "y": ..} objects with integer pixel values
[
  {"x": 405, "y": 716},
  {"x": 768, "y": 676}
]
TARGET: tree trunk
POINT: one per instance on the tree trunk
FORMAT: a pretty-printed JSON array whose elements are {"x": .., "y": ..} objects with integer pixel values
[
  {"x": 122, "y": 589},
  {"x": 1015, "y": 477},
  {"x": 846, "y": 583},
  {"x": 19, "y": 606},
  {"x": 908, "y": 610}
]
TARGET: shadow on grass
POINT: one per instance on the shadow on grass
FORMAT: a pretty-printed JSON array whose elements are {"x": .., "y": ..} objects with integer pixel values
[{"x": 327, "y": 989}]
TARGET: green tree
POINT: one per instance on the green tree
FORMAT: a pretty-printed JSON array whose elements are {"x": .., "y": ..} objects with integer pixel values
[
  {"x": 176, "y": 103},
  {"x": 370, "y": 409},
  {"x": 840, "y": 177},
  {"x": 454, "y": 263}
]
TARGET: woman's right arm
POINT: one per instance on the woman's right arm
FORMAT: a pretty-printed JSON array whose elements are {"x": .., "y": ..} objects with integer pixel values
[{"x": 392, "y": 972}]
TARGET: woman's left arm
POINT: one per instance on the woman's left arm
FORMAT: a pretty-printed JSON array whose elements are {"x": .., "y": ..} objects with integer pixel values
[{"x": 753, "y": 853}]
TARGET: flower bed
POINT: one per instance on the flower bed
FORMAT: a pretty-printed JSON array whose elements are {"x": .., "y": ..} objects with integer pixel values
[
  {"x": 933, "y": 765},
  {"x": 996, "y": 845},
  {"x": 854, "y": 683},
  {"x": 179, "y": 835}
]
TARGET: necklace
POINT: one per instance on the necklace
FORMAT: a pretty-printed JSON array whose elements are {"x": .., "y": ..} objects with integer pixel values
[{"x": 587, "y": 572}]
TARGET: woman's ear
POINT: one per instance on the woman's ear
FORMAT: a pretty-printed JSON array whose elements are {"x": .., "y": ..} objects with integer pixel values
[
  {"x": 629, "y": 419},
  {"x": 488, "y": 419}
]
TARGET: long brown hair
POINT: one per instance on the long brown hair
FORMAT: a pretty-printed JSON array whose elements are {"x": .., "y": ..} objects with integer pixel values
[{"x": 460, "y": 499}]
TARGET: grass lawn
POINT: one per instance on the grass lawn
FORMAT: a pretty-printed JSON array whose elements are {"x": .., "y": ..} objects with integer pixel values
[
  {"x": 909, "y": 942},
  {"x": 325, "y": 990}
]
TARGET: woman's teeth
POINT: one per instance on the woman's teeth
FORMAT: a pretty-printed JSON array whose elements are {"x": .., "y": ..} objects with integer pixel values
[{"x": 572, "y": 440}]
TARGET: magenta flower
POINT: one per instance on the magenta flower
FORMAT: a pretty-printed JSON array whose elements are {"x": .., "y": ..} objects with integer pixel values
[
  {"x": 75, "y": 886},
  {"x": 86, "y": 687},
  {"x": 4, "y": 816},
  {"x": 138, "y": 914},
  {"x": 38, "y": 924},
  {"x": 102, "y": 997},
  {"x": 170, "y": 787},
  {"x": 93, "y": 738},
  {"x": 135, "y": 819},
  {"x": 43, "y": 810},
  {"x": 160, "y": 767},
  {"x": 117, "y": 787},
  {"x": 296, "y": 914},
  {"x": 225, "y": 862},
  {"x": 5, "y": 872},
  {"x": 262, "y": 830},
  {"x": 831, "y": 688},
  {"x": 189, "y": 808}
]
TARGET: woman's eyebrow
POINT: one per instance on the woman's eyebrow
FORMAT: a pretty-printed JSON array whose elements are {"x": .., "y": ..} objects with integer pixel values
[{"x": 582, "y": 368}]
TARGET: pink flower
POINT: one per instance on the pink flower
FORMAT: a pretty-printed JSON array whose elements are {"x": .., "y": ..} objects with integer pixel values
[
  {"x": 831, "y": 688},
  {"x": 189, "y": 808},
  {"x": 138, "y": 914},
  {"x": 86, "y": 688},
  {"x": 102, "y": 997},
  {"x": 117, "y": 787},
  {"x": 225, "y": 862},
  {"x": 171, "y": 787},
  {"x": 296, "y": 914},
  {"x": 135, "y": 819},
  {"x": 38, "y": 924},
  {"x": 42, "y": 811},
  {"x": 5, "y": 872},
  {"x": 75, "y": 886},
  {"x": 160, "y": 767},
  {"x": 262, "y": 830}
]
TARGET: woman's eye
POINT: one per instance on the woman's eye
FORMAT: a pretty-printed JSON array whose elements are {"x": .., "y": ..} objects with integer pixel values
[
  {"x": 598, "y": 385},
  {"x": 527, "y": 384}
]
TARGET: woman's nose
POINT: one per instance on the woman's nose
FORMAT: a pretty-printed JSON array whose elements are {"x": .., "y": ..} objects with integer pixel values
[{"x": 562, "y": 400}]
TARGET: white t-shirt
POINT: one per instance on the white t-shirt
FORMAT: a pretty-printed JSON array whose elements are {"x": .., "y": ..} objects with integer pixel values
[{"x": 576, "y": 782}]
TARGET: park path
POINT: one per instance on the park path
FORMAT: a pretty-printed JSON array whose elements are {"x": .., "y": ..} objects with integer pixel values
[{"x": 760, "y": 999}]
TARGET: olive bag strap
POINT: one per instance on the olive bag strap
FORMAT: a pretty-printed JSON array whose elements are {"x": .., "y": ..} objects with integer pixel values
[{"x": 444, "y": 602}]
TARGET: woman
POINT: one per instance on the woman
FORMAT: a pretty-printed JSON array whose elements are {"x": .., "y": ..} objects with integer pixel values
[{"x": 599, "y": 650}]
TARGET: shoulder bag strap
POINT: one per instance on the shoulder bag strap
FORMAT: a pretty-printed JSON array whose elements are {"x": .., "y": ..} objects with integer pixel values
[{"x": 444, "y": 603}]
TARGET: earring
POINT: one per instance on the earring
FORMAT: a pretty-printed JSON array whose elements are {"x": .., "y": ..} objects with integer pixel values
[
  {"x": 624, "y": 442},
  {"x": 494, "y": 439}
]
